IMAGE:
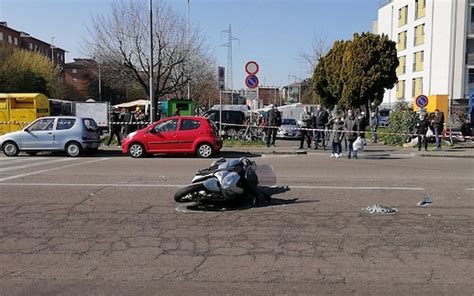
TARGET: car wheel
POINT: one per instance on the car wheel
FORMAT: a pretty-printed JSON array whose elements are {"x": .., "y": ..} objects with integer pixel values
[
  {"x": 136, "y": 150},
  {"x": 204, "y": 150},
  {"x": 10, "y": 149},
  {"x": 73, "y": 149}
]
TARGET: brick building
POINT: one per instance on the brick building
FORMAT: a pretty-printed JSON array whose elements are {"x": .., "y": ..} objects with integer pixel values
[
  {"x": 26, "y": 41},
  {"x": 77, "y": 75}
]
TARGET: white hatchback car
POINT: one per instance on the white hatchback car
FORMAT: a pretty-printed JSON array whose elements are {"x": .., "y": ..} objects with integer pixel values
[{"x": 56, "y": 133}]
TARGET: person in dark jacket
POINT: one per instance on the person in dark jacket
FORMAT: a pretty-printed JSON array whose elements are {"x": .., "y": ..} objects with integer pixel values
[
  {"x": 320, "y": 119},
  {"x": 422, "y": 125},
  {"x": 438, "y": 125},
  {"x": 115, "y": 129},
  {"x": 374, "y": 124},
  {"x": 363, "y": 123},
  {"x": 466, "y": 131},
  {"x": 306, "y": 124},
  {"x": 336, "y": 136},
  {"x": 351, "y": 127},
  {"x": 126, "y": 119},
  {"x": 274, "y": 121}
]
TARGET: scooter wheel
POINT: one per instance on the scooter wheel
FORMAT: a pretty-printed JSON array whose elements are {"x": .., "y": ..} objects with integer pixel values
[{"x": 181, "y": 194}]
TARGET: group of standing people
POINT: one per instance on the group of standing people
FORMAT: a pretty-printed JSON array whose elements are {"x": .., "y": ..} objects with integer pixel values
[
  {"x": 423, "y": 124},
  {"x": 125, "y": 122},
  {"x": 323, "y": 126}
]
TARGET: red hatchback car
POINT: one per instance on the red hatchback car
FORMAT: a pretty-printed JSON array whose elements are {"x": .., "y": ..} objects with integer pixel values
[{"x": 175, "y": 135}]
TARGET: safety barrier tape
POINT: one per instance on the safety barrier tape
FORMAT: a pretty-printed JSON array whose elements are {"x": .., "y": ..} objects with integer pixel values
[
  {"x": 445, "y": 133},
  {"x": 327, "y": 130}
]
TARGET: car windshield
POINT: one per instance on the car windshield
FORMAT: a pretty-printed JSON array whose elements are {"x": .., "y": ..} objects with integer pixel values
[{"x": 288, "y": 121}]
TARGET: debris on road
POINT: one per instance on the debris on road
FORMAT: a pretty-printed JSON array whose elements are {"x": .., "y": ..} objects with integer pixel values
[
  {"x": 425, "y": 202},
  {"x": 380, "y": 209}
]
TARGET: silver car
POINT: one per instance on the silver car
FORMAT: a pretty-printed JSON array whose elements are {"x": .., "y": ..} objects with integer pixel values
[
  {"x": 289, "y": 129},
  {"x": 57, "y": 133}
]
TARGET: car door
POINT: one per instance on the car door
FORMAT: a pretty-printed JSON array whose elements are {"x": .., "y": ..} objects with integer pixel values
[
  {"x": 189, "y": 131},
  {"x": 164, "y": 137},
  {"x": 39, "y": 135},
  {"x": 63, "y": 132}
]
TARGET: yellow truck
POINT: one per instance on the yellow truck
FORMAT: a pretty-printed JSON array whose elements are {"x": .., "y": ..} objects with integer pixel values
[{"x": 17, "y": 110}]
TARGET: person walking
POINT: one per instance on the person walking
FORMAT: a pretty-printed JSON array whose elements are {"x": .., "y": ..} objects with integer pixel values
[
  {"x": 422, "y": 125},
  {"x": 336, "y": 136},
  {"x": 306, "y": 125},
  {"x": 320, "y": 119},
  {"x": 177, "y": 112},
  {"x": 115, "y": 129},
  {"x": 438, "y": 125},
  {"x": 374, "y": 124},
  {"x": 274, "y": 121},
  {"x": 351, "y": 128}
]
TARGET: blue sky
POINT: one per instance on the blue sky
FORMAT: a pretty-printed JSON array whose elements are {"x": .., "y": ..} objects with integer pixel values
[{"x": 272, "y": 32}]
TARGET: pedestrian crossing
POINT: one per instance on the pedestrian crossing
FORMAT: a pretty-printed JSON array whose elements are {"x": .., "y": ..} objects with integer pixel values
[{"x": 22, "y": 166}]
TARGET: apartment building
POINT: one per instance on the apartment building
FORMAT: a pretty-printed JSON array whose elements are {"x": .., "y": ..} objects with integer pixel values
[
  {"x": 25, "y": 41},
  {"x": 435, "y": 43}
]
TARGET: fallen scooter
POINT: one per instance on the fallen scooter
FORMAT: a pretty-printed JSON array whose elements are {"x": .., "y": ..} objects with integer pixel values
[{"x": 227, "y": 181}]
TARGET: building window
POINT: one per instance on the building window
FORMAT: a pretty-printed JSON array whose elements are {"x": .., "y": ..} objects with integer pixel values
[
  {"x": 402, "y": 16},
  {"x": 417, "y": 87},
  {"x": 74, "y": 70},
  {"x": 15, "y": 41},
  {"x": 10, "y": 39},
  {"x": 420, "y": 8},
  {"x": 402, "y": 40},
  {"x": 401, "y": 89},
  {"x": 36, "y": 48},
  {"x": 419, "y": 34},
  {"x": 471, "y": 76},
  {"x": 1, "y": 36},
  {"x": 402, "y": 65},
  {"x": 418, "y": 59},
  {"x": 31, "y": 46}
]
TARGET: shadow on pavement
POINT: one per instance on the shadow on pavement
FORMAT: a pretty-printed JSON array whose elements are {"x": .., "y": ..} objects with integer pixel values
[{"x": 269, "y": 191}]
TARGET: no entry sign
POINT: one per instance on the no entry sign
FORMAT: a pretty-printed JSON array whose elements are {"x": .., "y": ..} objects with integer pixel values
[
  {"x": 251, "y": 68},
  {"x": 251, "y": 81}
]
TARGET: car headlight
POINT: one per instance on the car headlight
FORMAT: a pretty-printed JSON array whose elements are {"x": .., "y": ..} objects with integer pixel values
[{"x": 131, "y": 135}]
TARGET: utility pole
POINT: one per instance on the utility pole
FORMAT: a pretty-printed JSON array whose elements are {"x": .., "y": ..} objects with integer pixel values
[
  {"x": 230, "y": 40},
  {"x": 189, "y": 55},
  {"x": 150, "y": 70}
]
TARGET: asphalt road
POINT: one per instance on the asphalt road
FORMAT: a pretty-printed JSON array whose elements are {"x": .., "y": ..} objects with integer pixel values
[{"x": 109, "y": 225}]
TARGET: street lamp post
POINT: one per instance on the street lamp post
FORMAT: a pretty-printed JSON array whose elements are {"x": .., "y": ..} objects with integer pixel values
[
  {"x": 152, "y": 111},
  {"x": 52, "y": 49},
  {"x": 100, "y": 85}
]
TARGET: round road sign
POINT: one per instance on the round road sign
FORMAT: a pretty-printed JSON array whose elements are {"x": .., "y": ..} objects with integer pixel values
[
  {"x": 251, "y": 68},
  {"x": 421, "y": 101},
  {"x": 251, "y": 81}
]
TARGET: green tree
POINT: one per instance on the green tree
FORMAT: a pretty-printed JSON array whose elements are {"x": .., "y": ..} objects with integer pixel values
[
  {"x": 25, "y": 71},
  {"x": 355, "y": 72}
]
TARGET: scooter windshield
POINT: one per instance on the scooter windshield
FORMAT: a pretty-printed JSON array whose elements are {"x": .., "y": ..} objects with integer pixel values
[{"x": 266, "y": 175}]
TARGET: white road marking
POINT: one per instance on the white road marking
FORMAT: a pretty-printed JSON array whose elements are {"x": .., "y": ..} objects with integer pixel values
[
  {"x": 51, "y": 169},
  {"x": 25, "y": 166},
  {"x": 182, "y": 185},
  {"x": 357, "y": 188},
  {"x": 470, "y": 189}
]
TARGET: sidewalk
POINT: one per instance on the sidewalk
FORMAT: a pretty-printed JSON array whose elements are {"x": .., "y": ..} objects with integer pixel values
[{"x": 284, "y": 147}]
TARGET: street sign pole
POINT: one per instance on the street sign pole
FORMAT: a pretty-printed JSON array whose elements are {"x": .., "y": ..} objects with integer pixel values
[{"x": 220, "y": 113}]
